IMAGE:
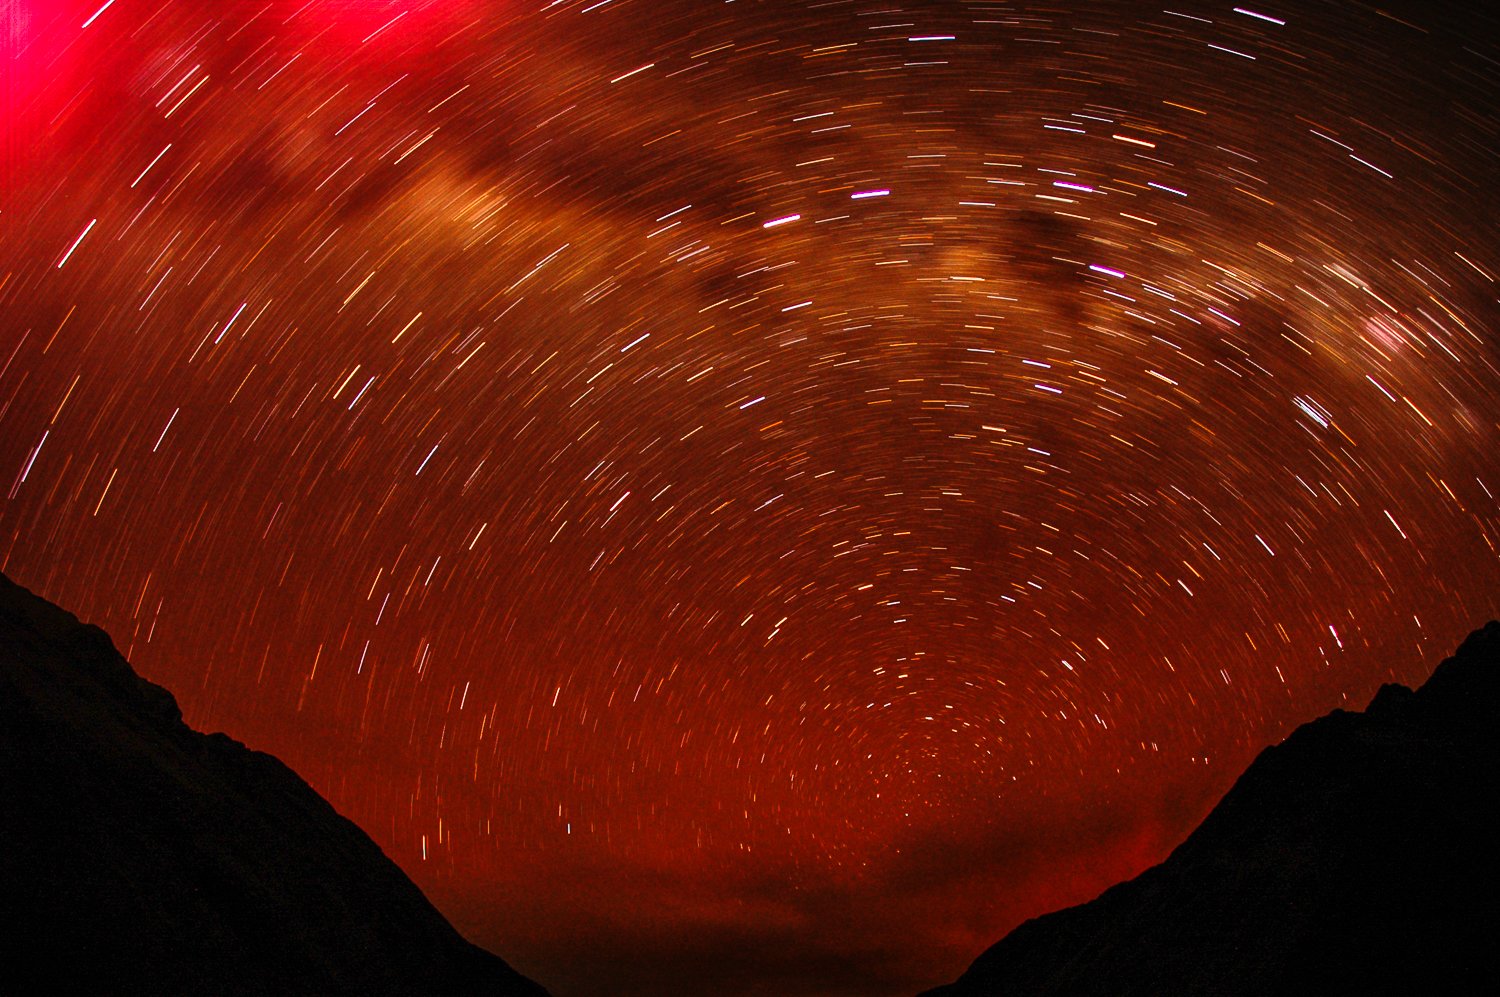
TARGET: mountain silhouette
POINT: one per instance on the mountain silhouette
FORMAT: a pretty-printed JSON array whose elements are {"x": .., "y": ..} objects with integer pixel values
[
  {"x": 138, "y": 856},
  {"x": 1356, "y": 857}
]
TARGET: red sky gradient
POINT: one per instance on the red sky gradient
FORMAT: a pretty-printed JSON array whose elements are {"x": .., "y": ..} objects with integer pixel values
[{"x": 754, "y": 498}]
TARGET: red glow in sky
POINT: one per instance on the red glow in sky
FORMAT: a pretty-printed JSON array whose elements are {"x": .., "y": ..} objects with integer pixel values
[
  {"x": 388, "y": 23},
  {"x": 755, "y": 497},
  {"x": 33, "y": 39}
]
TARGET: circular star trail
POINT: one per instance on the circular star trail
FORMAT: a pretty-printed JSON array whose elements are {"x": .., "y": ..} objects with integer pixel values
[{"x": 755, "y": 495}]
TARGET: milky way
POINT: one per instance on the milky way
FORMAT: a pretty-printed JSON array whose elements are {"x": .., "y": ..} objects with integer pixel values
[{"x": 748, "y": 497}]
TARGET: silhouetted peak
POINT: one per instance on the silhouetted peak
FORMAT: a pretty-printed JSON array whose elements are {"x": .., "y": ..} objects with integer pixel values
[
  {"x": 87, "y": 650},
  {"x": 1394, "y": 701},
  {"x": 1466, "y": 686},
  {"x": 1357, "y": 856},
  {"x": 1463, "y": 689},
  {"x": 140, "y": 856}
]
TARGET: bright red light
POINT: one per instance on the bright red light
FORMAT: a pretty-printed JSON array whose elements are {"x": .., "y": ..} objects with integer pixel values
[{"x": 370, "y": 22}]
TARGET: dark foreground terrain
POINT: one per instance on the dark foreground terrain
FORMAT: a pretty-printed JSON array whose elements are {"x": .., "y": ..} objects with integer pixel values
[
  {"x": 138, "y": 856},
  {"x": 1357, "y": 857}
]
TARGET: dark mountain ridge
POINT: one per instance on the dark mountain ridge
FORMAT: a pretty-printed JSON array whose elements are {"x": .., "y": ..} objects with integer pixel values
[
  {"x": 138, "y": 856},
  {"x": 1359, "y": 856}
]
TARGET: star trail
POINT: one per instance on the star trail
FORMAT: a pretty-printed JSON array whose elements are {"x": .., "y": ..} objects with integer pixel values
[{"x": 755, "y": 497}]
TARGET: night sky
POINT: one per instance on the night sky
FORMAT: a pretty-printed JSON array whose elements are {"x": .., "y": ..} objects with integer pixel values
[{"x": 755, "y": 497}]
